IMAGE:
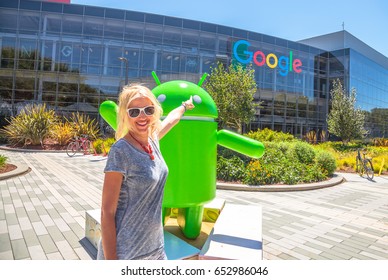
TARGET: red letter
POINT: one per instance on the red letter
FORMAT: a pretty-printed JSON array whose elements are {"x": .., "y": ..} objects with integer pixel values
[
  {"x": 262, "y": 58},
  {"x": 296, "y": 65}
]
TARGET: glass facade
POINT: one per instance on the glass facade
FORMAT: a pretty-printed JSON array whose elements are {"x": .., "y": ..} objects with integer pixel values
[{"x": 67, "y": 56}]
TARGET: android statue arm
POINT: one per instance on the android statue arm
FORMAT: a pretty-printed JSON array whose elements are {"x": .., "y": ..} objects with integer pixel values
[{"x": 240, "y": 143}]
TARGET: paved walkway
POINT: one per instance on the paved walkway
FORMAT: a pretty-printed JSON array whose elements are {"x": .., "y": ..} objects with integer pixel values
[{"x": 42, "y": 213}]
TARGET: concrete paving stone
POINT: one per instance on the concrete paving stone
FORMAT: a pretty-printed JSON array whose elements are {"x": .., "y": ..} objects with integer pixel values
[
  {"x": 55, "y": 233},
  {"x": 47, "y": 220},
  {"x": 375, "y": 232},
  {"x": 17, "y": 203},
  {"x": 47, "y": 244},
  {"x": 341, "y": 247},
  {"x": 382, "y": 244},
  {"x": 42, "y": 211},
  {"x": 11, "y": 219},
  {"x": 269, "y": 256},
  {"x": 54, "y": 256},
  {"x": 37, "y": 252},
  {"x": 24, "y": 223},
  {"x": 6, "y": 255},
  {"x": 82, "y": 254},
  {"x": 76, "y": 206},
  {"x": 5, "y": 242},
  {"x": 9, "y": 209},
  {"x": 309, "y": 254},
  {"x": 3, "y": 227},
  {"x": 19, "y": 249},
  {"x": 72, "y": 238},
  {"x": 382, "y": 255},
  {"x": 272, "y": 234},
  {"x": 30, "y": 237},
  {"x": 372, "y": 256},
  {"x": 334, "y": 237},
  {"x": 61, "y": 224},
  {"x": 339, "y": 254},
  {"x": 66, "y": 251},
  {"x": 290, "y": 255},
  {"x": 33, "y": 216},
  {"x": 362, "y": 239},
  {"x": 39, "y": 228},
  {"x": 6, "y": 199},
  {"x": 355, "y": 244},
  {"x": 323, "y": 239},
  {"x": 78, "y": 229},
  {"x": 54, "y": 213},
  {"x": 278, "y": 244},
  {"x": 377, "y": 248}
]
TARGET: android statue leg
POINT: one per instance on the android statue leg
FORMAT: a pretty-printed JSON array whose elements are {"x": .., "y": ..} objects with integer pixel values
[{"x": 190, "y": 221}]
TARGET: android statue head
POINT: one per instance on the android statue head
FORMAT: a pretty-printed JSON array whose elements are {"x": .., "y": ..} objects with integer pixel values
[{"x": 171, "y": 94}]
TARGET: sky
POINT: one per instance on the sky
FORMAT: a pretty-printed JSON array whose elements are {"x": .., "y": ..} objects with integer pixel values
[{"x": 292, "y": 20}]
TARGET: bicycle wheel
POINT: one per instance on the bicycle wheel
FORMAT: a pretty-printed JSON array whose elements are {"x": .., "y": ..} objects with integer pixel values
[
  {"x": 359, "y": 168},
  {"x": 368, "y": 168},
  {"x": 71, "y": 149},
  {"x": 88, "y": 148}
]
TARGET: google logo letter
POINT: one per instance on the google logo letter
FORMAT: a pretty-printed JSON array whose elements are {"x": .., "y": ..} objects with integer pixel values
[{"x": 286, "y": 64}]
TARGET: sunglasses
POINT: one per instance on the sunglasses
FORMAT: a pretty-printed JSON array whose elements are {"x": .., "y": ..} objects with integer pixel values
[{"x": 135, "y": 112}]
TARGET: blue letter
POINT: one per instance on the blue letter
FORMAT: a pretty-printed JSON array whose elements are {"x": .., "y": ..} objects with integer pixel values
[
  {"x": 283, "y": 65},
  {"x": 235, "y": 53}
]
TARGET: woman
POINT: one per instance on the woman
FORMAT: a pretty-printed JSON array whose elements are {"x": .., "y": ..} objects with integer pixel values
[{"x": 135, "y": 175}]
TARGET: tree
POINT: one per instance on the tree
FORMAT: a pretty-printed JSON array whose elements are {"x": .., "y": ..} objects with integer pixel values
[
  {"x": 232, "y": 90},
  {"x": 344, "y": 120}
]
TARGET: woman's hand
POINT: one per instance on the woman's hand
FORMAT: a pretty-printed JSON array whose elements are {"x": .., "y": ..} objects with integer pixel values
[{"x": 188, "y": 104}]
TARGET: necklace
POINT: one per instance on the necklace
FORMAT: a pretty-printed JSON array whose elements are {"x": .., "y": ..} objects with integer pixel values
[{"x": 147, "y": 149}]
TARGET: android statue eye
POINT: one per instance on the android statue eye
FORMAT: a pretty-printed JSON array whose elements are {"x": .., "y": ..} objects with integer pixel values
[
  {"x": 161, "y": 98},
  {"x": 197, "y": 99}
]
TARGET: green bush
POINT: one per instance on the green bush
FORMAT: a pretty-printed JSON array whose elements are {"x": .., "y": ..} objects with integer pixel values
[
  {"x": 303, "y": 152},
  {"x": 3, "y": 161},
  {"x": 268, "y": 135},
  {"x": 83, "y": 125},
  {"x": 31, "y": 127},
  {"x": 230, "y": 170},
  {"x": 62, "y": 132},
  {"x": 326, "y": 161},
  {"x": 289, "y": 163}
]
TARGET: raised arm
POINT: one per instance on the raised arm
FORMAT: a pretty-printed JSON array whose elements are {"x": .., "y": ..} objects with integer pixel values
[{"x": 174, "y": 117}]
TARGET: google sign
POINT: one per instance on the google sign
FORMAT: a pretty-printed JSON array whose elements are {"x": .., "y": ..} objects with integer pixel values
[{"x": 285, "y": 64}]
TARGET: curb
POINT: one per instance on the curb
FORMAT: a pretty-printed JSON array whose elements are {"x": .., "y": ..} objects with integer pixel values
[
  {"x": 6, "y": 148},
  {"x": 21, "y": 169},
  {"x": 333, "y": 181}
]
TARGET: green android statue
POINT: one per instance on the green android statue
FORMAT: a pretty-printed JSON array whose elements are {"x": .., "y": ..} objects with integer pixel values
[{"x": 190, "y": 150}]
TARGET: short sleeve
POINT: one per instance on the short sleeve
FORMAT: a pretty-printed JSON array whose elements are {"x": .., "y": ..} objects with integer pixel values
[{"x": 115, "y": 161}]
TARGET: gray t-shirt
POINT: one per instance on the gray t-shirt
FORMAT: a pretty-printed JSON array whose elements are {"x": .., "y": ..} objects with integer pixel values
[{"x": 139, "y": 226}]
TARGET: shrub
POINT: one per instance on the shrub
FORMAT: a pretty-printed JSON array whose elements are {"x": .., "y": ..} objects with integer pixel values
[
  {"x": 268, "y": 135},
  {"x": 303, "y": 152},
  {"x": 232, "y": 169},
  {"x": 31, "y": 127},
  {"x": 258, "y": 173},
  {"x": 62, "y": 132},
  {"x": 83, "y": 125},
  {"x": 326, "y": 161},
  {"x": 3, "y": 161}
]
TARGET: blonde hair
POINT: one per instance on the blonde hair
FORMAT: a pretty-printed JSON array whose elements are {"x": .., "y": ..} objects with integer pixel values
[{"x": 127, "y": 95}]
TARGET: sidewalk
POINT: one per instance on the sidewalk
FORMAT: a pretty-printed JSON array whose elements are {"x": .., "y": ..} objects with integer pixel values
[{"x": 42, "y": 213}]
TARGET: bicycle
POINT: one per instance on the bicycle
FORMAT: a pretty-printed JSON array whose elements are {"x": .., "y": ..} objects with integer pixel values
[
  {"x": 364, "y": 165},
  {"x": 79, "y": 144}
]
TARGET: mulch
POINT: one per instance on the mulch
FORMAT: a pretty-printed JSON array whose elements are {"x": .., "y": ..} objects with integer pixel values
[{"x": 7, "y": 168}]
